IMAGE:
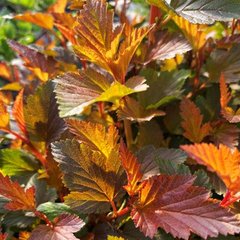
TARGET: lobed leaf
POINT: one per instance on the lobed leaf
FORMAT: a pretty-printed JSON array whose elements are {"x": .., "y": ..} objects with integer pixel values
[
  {"x": 20, "y": 199},
  {"x": 132, "y": 168},
  {"x": 172, "y": 203},
  {"x": 192, "y": 123},
  {"x": 221, "y": 160},
  {"x": 18, "y": 112}
]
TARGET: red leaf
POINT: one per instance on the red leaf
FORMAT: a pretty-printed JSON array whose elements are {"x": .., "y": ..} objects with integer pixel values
[
  {"x": 63, "y": 228},
  {"x": 132, "y": 168},
  {"x": 172, "y": 203},
  {"x": 20, "y": 199}
]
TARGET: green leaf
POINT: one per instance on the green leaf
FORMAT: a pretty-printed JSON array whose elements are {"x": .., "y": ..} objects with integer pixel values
[
  {"x": 163, "y": 88},
  {"x": 52, "y": 210},
  {"x": 15, "y": 162},
  {"x": 202, "y": 11}
]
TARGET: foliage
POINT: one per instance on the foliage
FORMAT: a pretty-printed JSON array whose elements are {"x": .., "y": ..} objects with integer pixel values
[{"x": 116, "y": 126}]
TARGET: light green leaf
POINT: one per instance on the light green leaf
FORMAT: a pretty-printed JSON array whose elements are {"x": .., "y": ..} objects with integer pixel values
[{"x": 15, "y": 162}]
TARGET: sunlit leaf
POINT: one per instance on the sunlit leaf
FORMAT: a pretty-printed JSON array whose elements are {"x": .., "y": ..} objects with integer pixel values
[
  {"x": 63, "y": 228},
  {"x": 5, "y": 117},
  {"x": 132, "y": 168},
  {"x": 93, "y": 179},
  {"x": 172, "y": 203},
  {"x": 18, "y": 113},
  {"x": 201, "y": 11},
  {"x": 192, "y": 123},
  {"x": 76, "y": 91},
  {"x": 15, "y": 162},
  {"x": 58, "y": 7},
  {"x": 99, "y": 43},
  {"x": 20, "y": 199},
  {"x": 221, "y": 160},
  {"x": 43, "y": 20}
]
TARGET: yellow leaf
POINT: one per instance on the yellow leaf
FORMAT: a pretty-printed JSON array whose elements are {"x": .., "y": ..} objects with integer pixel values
[
  {"x": 195, "y": 33},
  {"x": 4, "y": 115},
  {"x": 15, "y": 86}
]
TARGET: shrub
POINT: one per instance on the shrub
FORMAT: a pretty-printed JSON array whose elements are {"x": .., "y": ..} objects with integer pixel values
[{"x": 116, "y": 126}]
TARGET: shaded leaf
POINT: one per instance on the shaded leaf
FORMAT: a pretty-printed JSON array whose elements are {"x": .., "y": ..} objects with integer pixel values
[
  {"x": 220, "y": 159},
  {"x": 132, "y": 110},
  {"x": 227, "y": 112},
  {"x": 43, "y": 67},
  {"x": 192, "y": 123},
  {"x": 63, "y": 228},
  {"x": 14, "y": 162},
  {"x": 41, "y": 115},
  {"x": 19, "y": 198},
  {"x": 163, "y": 88},
  {"x": 226, "y": 62},
  {"x": 52, "y": 210},
  {"x": 226, "y": 134},
  {"x": 172, "y": 203},
  {"x": 166, "y": 45}
]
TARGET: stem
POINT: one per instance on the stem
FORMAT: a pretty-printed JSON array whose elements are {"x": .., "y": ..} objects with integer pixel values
[
  {"x": 101, "y": 109},
  {"x": 128, "y": 132},
  {"x": 114, "y": 208},
  {"x": 123, "y": 211},
  {"x": 226, "y": 198},
  {"x": 43, "y": 217},
  {"x": 154, "y": 13},
  {"x": 34, "y": 151}
]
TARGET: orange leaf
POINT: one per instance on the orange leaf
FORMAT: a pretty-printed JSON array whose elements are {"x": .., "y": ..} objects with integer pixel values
[
  {"x": 43, "y": 20},
  {"x": 222, "y": 160},
  {"x": 227, "y": 112},
  {"x": 194, "y": 129},
  {"x": 132, "y": 168},
  {"x": 4, "y": 115},
  {"x": 58, "y": 7},
  {"x": 20, "y": 199},
  {"x": 98, "y": 42},
  {"x": 18, "y": 112}
]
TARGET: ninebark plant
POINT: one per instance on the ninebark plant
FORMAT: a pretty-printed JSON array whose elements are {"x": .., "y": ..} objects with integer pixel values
[{"x": 123, "y": 126}]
